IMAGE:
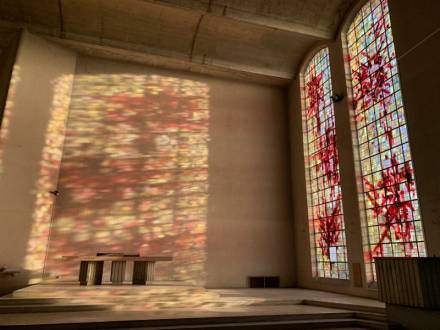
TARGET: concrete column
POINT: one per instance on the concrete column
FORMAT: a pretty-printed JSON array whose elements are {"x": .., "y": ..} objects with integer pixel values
[
  {"x": 31, "y": 141},
  {"x": 347, "y": 163}
]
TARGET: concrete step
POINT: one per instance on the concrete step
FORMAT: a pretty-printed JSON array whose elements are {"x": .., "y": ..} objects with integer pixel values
[
  {"x": 31, "y": 301},
  {"x": 371, "y": 316},
  {"x": 351, "y": 307},
  {"x": 370, "y": 324},
  {"x": 367, "y": 316},
  {"x": 280, "y": 325},
  {"x": 51, "y": 308},
  {"x": 277, "y": 302},
  {"x": 378, "y": 324},
  {"x": 301, "y": 324},
  {"x": 297, "y": 321}
]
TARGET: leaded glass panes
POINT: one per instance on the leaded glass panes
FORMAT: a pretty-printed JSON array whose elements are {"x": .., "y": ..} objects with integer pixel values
[
  {"x": 325, "y": 212},
  {"x": 392, "y": 223}
]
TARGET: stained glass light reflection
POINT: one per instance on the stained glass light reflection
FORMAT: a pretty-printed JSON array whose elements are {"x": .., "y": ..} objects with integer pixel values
[
  {"x": 392, "y": 223},
  {"x": 134, "y": 173},
  {"x": 325, "y": 212}
]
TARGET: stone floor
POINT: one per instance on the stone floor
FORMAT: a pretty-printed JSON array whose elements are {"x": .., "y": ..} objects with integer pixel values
[{"x": 129, "y": 302}]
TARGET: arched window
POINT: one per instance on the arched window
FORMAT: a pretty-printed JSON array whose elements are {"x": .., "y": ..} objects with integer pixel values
[
  {"x": 391, "y": 223},
  {"x": 326, "y": 223}
]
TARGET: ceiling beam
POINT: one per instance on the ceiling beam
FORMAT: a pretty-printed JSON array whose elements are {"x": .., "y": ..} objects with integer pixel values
[
  {"x": 116, "y": 49},
  {"x": 246, "y": 17},
  {"x": 214, "y": 68}
]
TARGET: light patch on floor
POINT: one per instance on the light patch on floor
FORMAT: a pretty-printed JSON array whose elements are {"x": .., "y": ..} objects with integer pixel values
[{"x": 128, "y": 302}]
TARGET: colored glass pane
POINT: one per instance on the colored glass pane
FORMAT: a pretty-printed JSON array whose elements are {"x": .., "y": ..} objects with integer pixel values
[
  {"x": 392, "y": 223},
  {"x": 326, "y": 222}
]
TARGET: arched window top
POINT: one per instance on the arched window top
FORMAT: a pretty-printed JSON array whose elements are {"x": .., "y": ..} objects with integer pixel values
[
  {"x": 371, "y": 56},
  {"x": 392, "y": 221},
  {"x": 317, "y": 80},
  {"x": 325, "y": 211}
]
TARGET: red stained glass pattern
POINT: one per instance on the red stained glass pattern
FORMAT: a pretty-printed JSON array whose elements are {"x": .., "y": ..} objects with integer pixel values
[
  {"x": 392, "y": 225},
  {"x": 327, "y": 235}
]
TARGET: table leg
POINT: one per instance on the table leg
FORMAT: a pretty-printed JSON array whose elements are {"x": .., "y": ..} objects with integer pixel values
[
  {"x": 83, "y": 266},
  {"x": 150, "y": 271},
  {"x": 118, "y": 272},
  {"x": 143, "y": 271},
  {"x": 94, "y": 272},
  {"x": 139, "y": 272}
]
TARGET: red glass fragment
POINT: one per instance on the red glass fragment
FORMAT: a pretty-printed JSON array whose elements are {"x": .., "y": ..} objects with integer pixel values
[
  {"x": 389, "y": 196},
  {"x": 329, "y": 213}
]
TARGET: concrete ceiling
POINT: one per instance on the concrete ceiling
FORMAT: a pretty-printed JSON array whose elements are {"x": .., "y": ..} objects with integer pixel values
[{"x": 257, "y": 40}]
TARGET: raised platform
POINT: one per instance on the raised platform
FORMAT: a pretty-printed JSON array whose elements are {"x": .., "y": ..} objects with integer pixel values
[{"x": 185, "y": 307}]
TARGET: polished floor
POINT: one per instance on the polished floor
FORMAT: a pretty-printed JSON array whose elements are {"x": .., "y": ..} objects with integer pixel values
[{"x": 153, "y": 302}]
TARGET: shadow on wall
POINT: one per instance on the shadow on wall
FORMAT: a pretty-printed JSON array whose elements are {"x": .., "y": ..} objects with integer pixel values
[{"x": 134, "y": 173}]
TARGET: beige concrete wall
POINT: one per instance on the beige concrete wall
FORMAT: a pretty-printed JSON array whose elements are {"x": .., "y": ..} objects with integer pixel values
[
  {"x": 31, "y": 141},
  {"x": 162, "y": 162},
  {"x": 9, "y": 39},
  {"x": 417, "y": 40}
]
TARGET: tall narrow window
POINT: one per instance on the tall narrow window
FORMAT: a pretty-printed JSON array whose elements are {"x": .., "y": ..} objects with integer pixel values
[
  {"x": 392, "y": 224},
  {"x": 326, "y": 223}
]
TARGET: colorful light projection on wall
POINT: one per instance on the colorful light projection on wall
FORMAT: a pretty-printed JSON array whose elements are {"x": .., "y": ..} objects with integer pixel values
[
  {"x": 392, "y": 225},
  {"x": 48, "y": 173},
  {"x": 7, "y": 113},
  {"x": 134, "y": 174},
  {"x": 326, "y": 221}
]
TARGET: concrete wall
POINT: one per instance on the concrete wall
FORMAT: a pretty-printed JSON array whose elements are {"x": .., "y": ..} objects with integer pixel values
[
  {"x": 31, "y": 141},
  {"x": 9, "y": 39},
  {"x": 162, "y": 162},
  {"x": 417, "y": 40},
  {"x": 416, "y": 29}
]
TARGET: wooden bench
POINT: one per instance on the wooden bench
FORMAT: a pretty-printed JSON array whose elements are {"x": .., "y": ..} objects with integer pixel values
[{"x": 91, "y": 268}]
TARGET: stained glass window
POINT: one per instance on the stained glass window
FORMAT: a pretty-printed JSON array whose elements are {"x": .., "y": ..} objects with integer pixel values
[
  {"x": 326, "y": 223},
  {"x": 392, "y": 225}
]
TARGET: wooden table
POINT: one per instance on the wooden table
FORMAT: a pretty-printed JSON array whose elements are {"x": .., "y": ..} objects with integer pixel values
[{"x": 91, "y": 268}]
